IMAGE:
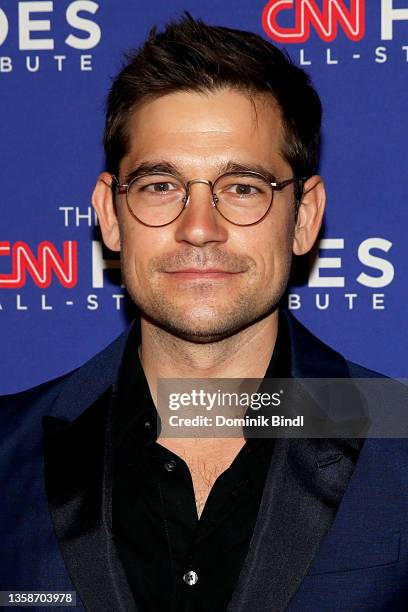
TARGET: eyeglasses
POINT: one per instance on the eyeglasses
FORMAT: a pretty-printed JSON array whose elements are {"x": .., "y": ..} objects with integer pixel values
[{"x": 242, "y": 198}]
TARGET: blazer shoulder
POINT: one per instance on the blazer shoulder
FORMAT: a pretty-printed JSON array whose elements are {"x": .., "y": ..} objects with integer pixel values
[
  {"x": 24, "y": 408},
  {"x": 49, "y": 388},
  {"x": 387, "y": 401},
  {"x": 359, "y": 371},
  {"x": 81, "y": 383}
]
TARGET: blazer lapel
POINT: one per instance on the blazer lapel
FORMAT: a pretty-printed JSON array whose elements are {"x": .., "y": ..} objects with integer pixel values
[
  {"x": 78, "y": 476},
  {"x": 305, "y": 484}
]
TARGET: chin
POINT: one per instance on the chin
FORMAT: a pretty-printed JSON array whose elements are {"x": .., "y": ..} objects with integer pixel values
[
  {"x": 203, "y": 335},
  {"x": 204, "y": 328}
]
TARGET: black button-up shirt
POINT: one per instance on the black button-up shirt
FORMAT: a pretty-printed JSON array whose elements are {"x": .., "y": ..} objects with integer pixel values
[{"x": 175, "y": 561}]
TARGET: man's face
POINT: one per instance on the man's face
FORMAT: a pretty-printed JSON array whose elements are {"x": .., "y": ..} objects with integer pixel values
[{"x": 201, "y": 277}]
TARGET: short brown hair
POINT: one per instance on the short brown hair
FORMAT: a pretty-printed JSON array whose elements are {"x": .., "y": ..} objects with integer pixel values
[{"x": 190, "y": 55}]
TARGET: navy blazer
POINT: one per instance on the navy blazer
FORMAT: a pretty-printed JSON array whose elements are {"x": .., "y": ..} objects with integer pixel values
[{"x": 331, "y": 532}]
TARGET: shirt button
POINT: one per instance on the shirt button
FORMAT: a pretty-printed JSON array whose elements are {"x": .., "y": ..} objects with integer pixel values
[
  {"x": 170, "y": 465},
  {"x": 148, "y": 425},
  {"x": 190, "y": 578}
]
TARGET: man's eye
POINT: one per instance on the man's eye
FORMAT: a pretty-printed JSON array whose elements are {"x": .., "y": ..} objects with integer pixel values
[
  {"x": 242, "y": 189},
  {"x": 160, "y": 187}
]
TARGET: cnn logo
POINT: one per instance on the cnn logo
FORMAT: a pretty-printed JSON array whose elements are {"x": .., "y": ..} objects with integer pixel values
[{"x": 307, "y": 14}]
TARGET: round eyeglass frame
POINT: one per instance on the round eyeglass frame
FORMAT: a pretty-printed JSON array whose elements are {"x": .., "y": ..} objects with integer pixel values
[{"x": 123, "y": 188}]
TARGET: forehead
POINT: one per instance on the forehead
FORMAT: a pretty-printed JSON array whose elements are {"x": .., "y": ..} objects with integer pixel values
[{"x": 198, "y": 128}]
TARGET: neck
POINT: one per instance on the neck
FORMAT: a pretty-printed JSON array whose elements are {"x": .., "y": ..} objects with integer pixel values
[{"x": 246, "y": 354}]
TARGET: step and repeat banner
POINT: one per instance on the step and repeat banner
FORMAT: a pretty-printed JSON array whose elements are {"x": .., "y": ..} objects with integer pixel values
[{"x": 61, "y": 298}]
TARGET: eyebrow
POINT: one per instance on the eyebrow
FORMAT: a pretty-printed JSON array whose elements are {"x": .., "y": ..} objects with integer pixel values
[
  {"x": 232, "y": 166},
  {"x": 151, "y": 168},
  {"x": 167, "y": 167}
]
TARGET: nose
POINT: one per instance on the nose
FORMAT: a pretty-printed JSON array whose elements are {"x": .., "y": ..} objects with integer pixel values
[{"x": 200, "y": 223}]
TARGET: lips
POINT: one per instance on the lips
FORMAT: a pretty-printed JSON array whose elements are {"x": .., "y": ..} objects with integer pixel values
[{"x": 201, "y": 273}]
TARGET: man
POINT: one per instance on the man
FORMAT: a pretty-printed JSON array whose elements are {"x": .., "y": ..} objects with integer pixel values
[{"x": 211, "y": 186}]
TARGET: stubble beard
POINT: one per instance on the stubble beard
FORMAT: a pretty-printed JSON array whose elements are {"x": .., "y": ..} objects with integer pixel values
[{"x": 212, "y": 320}]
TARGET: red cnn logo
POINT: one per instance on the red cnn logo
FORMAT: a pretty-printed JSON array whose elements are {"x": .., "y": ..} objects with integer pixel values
[
  {"x": 307, "y": 14},
  {"x": 42, "y": 267}
]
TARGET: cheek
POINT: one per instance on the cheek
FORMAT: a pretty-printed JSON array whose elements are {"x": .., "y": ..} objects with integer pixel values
[
  {"x": 132, "y": 253},
  {"x": 272, "y": 253},
  {"x": 140, "y": 245}
]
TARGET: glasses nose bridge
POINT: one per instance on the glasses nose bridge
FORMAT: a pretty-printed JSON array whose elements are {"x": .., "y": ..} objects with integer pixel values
[{"x": 204, "y": 182}]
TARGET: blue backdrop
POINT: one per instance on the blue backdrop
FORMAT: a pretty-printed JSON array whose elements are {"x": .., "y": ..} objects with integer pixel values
[{"x": 60, "y": 294}]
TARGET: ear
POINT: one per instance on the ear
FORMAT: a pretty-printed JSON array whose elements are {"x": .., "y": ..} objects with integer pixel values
[
  {"x": 102, "y": 201},
  {"x": 310, "y": 215}
]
